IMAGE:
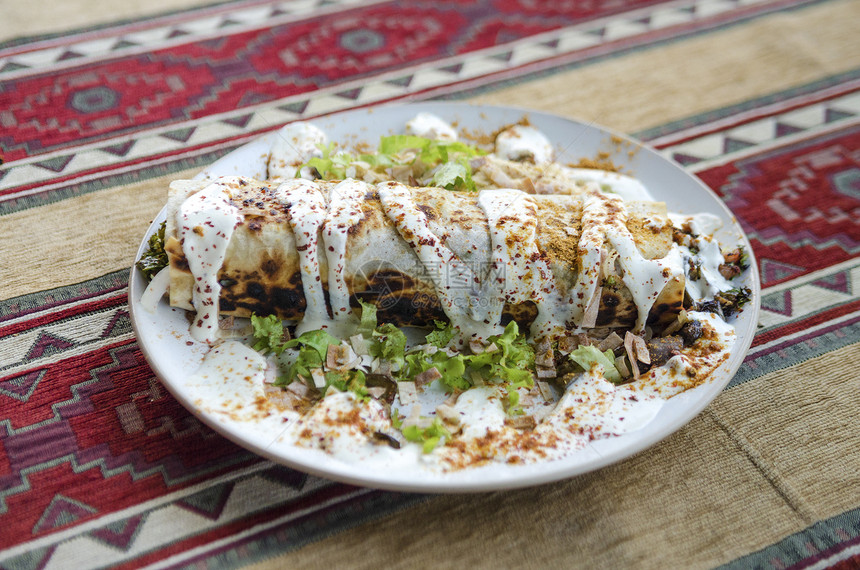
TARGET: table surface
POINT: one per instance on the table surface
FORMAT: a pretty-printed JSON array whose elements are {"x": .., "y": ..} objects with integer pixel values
[{"x": 102, "y": 105}]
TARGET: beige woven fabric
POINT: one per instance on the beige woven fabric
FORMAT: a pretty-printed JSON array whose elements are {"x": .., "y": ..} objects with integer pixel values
[
  {"x": 38, "y": 17},
  {"x": 686, "y": 78},
  {"x": 91, "y": 235}
]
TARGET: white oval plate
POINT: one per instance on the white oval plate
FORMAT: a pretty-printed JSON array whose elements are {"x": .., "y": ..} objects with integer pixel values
[{"x": 174, "y": 356}]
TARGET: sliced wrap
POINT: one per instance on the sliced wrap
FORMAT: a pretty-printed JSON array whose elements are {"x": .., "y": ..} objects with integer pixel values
[{"x": 310, "y": 250}]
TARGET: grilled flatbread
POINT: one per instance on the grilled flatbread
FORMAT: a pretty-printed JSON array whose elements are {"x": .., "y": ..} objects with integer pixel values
[{"x": 306, "y": 250}]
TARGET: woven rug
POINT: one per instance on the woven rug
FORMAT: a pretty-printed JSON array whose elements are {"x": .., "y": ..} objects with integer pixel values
[{"x": 100, "y": 107}]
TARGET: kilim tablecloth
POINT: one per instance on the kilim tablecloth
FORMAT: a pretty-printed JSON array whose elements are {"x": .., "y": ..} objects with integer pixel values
[{"x": 102, "y": 104}]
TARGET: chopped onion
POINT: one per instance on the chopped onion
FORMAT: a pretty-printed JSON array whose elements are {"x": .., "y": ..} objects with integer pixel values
[
  {"x": 426, "y": 377},
  {"x": 156, "y": 289}
]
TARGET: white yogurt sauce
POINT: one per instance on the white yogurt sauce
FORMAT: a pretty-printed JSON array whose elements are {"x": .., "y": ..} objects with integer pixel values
[
  {"x": 594, "y": 407},
  {"x": 294, "y": 145},
  {"x": 205, "y": 223},
  {"x": 307, "y": 210},
  {"x": 458, "y": 289},
  {"x": 711, "y": 282},
  {"x": 430, "y": 126},
  {"x": 625, "y": 186},
  {"x": 331, "y": 426},
  {"x": 644, "y": 278},
  {"x": 230, "y": 385},
  {"x": 522, "y": 142},
  {"x": 517, "y": 274},
  {"x": 586, "y": 292},
  {"x": 672, "y": 378},
  {"x": 708, "y": 258},
  {"x": 343, "y": 214}
]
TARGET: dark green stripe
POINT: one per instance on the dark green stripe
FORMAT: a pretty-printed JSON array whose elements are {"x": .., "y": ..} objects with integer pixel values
[
  {"x": 11, "y": 308},
  {"x": 821, "y": 536},
  {"x": 798, "y": 352},
  {"x": 770, "y": 99}
]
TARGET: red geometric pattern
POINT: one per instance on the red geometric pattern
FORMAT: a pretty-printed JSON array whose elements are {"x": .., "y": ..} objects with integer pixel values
[
  {"x": 70, "y": 438},
  {"x": 777, "y": 199},
  {"x": 194, "y": 80}
]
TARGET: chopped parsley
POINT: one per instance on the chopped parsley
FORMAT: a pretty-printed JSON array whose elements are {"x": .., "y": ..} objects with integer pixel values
[
  {"x": 268, "y": 334},
  {"x": 733, "y": 300},
  {"x": 154, "y": 259}
]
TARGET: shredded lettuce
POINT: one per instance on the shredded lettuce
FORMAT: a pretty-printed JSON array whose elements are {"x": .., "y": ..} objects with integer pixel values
[
  {"x": 348, "y": 380},
  {"x": 395, "y": 144},
  {"x": 396, "y": 420},
  {"x": 269, "y": 334},
  {"x": 312, "y": 348},
  {"x": 368, "y": 319},
  {"x": 510, "y": 362},
  {"x": 429, "y": 437},
  {"x": 441, "y": 335},
  {"x": 450, "y": 159},
  {"x": 513, "y": 404},
  {"x": 587, "y": 356},
  {"x": 385, "y": 341},
  {"x": 456, "y": 176},
  {"x": 331, "y": 165},
  {"x": 390, "y": 344}
]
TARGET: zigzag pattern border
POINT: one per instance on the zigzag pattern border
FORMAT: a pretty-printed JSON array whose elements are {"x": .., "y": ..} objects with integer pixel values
[
  {"x": 576, "y": 41},
  {"x": 821, "y": 545},
  {"x": 119, "y": 41},
  {"x": 713, "y": 149},
  {"x": 113, "y": 43}
]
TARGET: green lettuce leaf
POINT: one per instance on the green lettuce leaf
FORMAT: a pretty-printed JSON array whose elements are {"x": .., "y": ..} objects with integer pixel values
[
  {"x": 348, "y": 381},
  {"x": 587, "y": 356},
  {"x": 441, "y": 335},
  {"x": 312, "y": 348},
  {"x": 390, "y": 344},
  {"x": 368, "y": 319},
  {"x": 512, "y": 362},
  {"x": 331, "y": 165},
  {"x": 428, "y": 437},
  {"x": 455, "y": 176},
  {"x": 395, "y": 144}
]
